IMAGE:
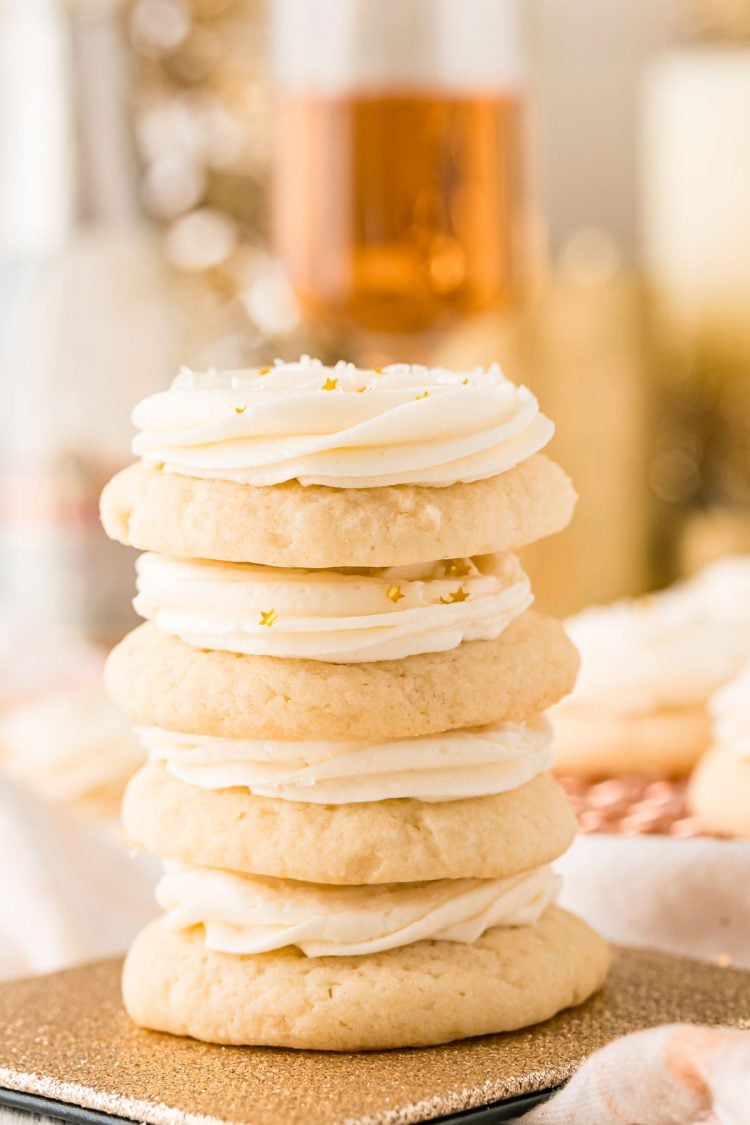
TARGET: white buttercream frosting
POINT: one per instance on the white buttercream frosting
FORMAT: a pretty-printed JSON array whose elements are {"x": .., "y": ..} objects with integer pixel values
[
  {"x": 332, "y": 615},
  {"x": 670, "y": 649},
  {"x": 248, "y": 914},
  {"x": 730, "y": 710},
  {"x": 341, "y": 426},
  {"x": 440, "y": 767}
]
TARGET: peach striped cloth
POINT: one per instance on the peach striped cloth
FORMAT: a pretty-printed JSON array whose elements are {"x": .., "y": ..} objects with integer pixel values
[{"x": 677, "y": 1074}]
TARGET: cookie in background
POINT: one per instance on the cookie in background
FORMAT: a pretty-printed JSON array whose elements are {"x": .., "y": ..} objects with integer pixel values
[
  {"x": 65, "y": 756},
  {"x": 652, "y": 700},
  {"x": 719, "y": 791},
  {"x": 648, "y": 669},
  {"x": 71, "y": 747},
  {"x": 60, "y": 737}
]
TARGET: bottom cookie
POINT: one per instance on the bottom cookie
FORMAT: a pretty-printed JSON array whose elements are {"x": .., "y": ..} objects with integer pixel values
[
  {"x": 415, "y": 996},
  {"x": 663, "y": 743},
  {"x": 719, "y": 793}
]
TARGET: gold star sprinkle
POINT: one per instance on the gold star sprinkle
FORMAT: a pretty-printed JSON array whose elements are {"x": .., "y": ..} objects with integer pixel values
[
  {"x": 240, "y": 409},
  {"x": 268, "y": 618},
  {"x": 361, "y": 390},
  {"x": 394, "y": 593},
  {"x": 378, "y": 370},
  {"x": 456, "y": 568},
  {"x": 459, "y": 595},
  {"x": 417, "y": 397},
  {"x": 330, "y": 384},
  {"x": 465, "y": 381},
  {"x": 264, "y": 370}
]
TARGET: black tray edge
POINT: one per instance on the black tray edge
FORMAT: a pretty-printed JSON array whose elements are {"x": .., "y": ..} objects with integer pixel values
[{"x": 509, "y": 1109}]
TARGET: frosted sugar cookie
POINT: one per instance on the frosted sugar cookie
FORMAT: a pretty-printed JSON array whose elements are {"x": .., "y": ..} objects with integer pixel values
[
  {"x": 290, "y": 525},
  {"x": 389, "y": 841},
  {"x": 664, "y": 743},
  {"x": 719, "y": 790},
  {"x": 161, "y": 681},
  {"x": 648, "y": 667},
  {"x": 71, "y": 747},
  {"x": 302, "y": 465},
  {"x": 414, "y": 995},
  {"x": 720, "y": 793}
]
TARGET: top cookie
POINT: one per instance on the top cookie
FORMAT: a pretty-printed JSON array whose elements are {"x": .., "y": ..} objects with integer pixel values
[{"x": 301, "y": 465}]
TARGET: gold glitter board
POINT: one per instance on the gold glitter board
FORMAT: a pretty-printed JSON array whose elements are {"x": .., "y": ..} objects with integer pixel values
[{"x": 66, "y": 1037}]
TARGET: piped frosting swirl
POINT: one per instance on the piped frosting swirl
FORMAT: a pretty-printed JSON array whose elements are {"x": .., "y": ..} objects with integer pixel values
[
  {"x": 342, "y": 427},
  {"x": 335, "y": 616},
  {"x": 441, "y": 767},
  {"x": 244, "y": 914}
]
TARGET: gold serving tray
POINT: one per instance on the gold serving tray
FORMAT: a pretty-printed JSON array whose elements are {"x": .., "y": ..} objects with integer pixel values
[{"x": 65, "y": 1037}]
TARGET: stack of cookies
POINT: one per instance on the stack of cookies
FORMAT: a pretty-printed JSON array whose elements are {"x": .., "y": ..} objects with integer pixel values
[{"x": 341, "y": 687}]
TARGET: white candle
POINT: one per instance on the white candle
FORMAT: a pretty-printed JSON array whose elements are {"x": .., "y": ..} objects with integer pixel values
[{"x": 696, "y": 182}]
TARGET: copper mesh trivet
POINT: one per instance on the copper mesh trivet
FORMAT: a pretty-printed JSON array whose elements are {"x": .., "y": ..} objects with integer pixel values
[
  {"x": 66, "y": 1037},
  {"x": 633, "y": 806}
]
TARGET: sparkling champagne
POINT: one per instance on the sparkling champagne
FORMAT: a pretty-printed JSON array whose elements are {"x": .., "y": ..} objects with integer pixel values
[
  {"x": 399, "y": 195},
  {"x": 400, "y": 212}
]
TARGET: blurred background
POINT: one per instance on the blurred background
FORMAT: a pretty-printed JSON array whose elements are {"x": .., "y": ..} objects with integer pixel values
[{"x": 563, "y": 185}]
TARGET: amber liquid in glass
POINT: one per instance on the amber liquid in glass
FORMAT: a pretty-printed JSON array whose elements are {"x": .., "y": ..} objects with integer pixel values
[{"x": 400, "y": 212}]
